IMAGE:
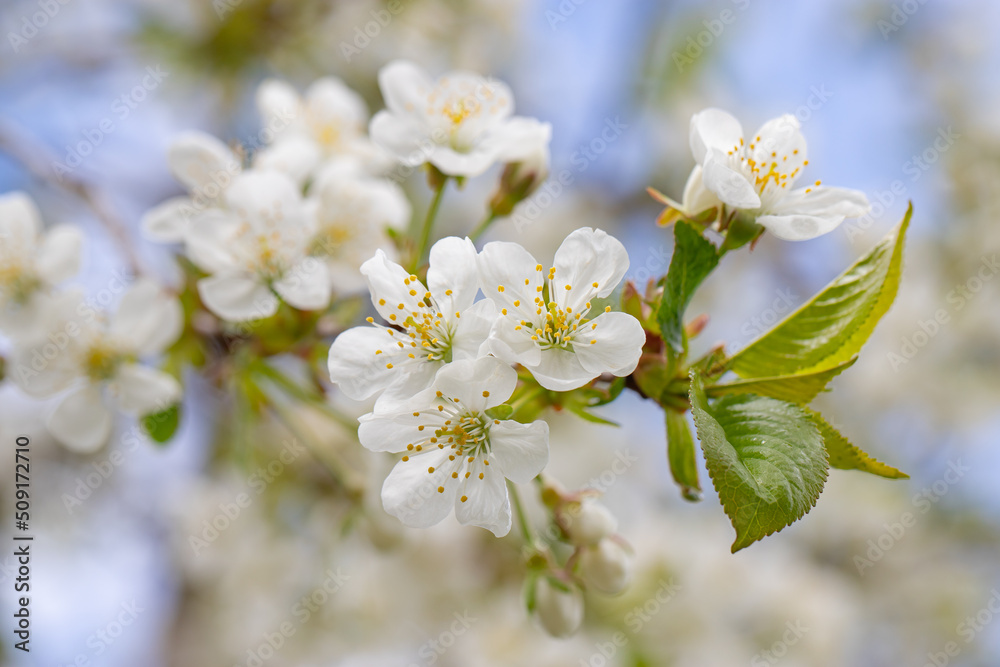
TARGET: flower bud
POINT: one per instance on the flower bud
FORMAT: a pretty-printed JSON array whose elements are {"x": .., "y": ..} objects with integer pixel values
[
  {"x": 587, "y": 521},
  {"x": 560, "y": 611},
  {"x": 527, "y": 158},
  {"x": 605, "y": 566}
]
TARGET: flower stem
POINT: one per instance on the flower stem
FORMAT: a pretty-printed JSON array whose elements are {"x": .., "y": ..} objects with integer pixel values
[
  {"x": 425, "y": 233},
  {"x": 295, "y": 390},
  {"x": 522, "y": 518},
  {"x": 526, "y": 397},
  {"x": 483, "y": 226}
]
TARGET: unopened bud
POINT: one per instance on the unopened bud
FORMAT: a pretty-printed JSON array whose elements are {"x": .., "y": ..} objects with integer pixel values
[
  {"x": 605, "y": 567},
  {"x": 587, "y": 522},
  {"x": 560, "y": 611},
  {"x": 527, "y": 164}
]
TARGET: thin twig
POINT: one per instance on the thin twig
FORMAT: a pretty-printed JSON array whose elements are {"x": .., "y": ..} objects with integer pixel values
[{"x": 38, "y": 160}]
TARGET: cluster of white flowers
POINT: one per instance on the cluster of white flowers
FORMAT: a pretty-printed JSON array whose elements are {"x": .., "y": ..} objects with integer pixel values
[
  {"x": 442, "y": 360},
  {"x": 296, "y": 224},
  {"x": 64, "y": 346}
]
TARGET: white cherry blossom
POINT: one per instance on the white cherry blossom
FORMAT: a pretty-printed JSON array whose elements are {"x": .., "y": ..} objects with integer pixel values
[
  {"x": 545, "y": 322},
  {"x": 352, "y": 215},
  {"x": 427, "y": 327},
  {"x": 461, "y": 123},
  {"x": 206, "y": 167},
  {"x": 454, "y": 454},
  {"x": 256, "y": 249},
  {"x": 328, "y": 123},
  {"x": 32, "y": 262},
  {"x": 96, "y": 361},
  {"x": 756, "y": 174}
]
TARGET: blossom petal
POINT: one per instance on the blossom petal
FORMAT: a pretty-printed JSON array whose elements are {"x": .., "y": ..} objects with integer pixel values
[
  {"x": 452, "y": 276},
  {"x": 81, "y": 421},
  {"x": 521, "y": 450},
  {"x": 470, "y": 164},
  {"x": 237, "y": 297},
  {"x": 391, "y": 286},
  {"x": 487, "y": 504},
  {"x": 306, "y": 285},
  {"x": 358, "y": 361},
  {"x": 412, "y": 379},
  {"x": 560, "y": 370},
  {"x": 513, "y": 344},
  {"x": 58, "y": 257},
  {"x": 729, "y": 185},
  {"x": 697, "y": 197},
  {"x": 590, "y": 262},
  {"x": 780, "y": 142},
  {"x": 397, "y": 431},
  {"x": 406, "y": 137},
  {"x": 503, "y": 269},
  {"x": 713, "y": 129},
  {"x": 169, "y": 221},
  {"x": 140, "y": 390},
  {"x": 611, "y": 343},
  {"x": 210, "y": 238},
  {"x": 202, "y": 163},
  {"x": 802, "y": 215},
  {"x": 410, "y": 492},
  {"x": 20, "y": 222},
  {"x": 46, "y": 368},
  {"x": 277, "y": 103},
  {"x": 480, "y": 384},
  {"x": 472, "y": 330},
  {"x": 148, "y": 318},
  {"x": 333, "y": 104},
  {"x": 404, "y": 86},
  {"x": 296, "y": 156},
  {"x": 266, "y": 199}
]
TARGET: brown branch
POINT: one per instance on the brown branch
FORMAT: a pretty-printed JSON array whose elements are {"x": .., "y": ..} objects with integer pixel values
[{"x": 38, "y": 160}]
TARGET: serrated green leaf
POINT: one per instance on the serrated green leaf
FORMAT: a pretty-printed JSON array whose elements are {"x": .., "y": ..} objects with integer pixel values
[
  {"x": 800, "y": 388},
  {"x": 765, "y": 457},
  {"x": 832, "y": 326},
  {"x": 845, "y": 456},
  {"x": 693, "y": 259},
  {"x": 680, "y": 454},
  {"x": 161, "y": 426}
]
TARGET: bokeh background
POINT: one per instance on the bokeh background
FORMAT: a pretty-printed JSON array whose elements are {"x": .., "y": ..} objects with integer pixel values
[{"x": 896, "y": 98}]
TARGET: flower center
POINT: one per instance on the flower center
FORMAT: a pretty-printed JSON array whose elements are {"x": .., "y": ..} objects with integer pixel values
[
  {"x": 16, "y": 284},
  {"x": 430, "y": 333},
  {"x": 767, "y": 170},
  {"x": 101, "y": 361},
  {"x": 465, "y": 432},
  {"x": 329, "y": 240},
  {"x": 552, "y": 325}
]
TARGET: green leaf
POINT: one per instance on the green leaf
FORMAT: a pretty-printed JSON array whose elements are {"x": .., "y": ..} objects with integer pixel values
[
  {"x": 845, "y": 456},
  {"x": 161, "y": 426},
  {"x": 584, "y": 414},
  {"x": 800, "y": 388},
  {"x": 694, "y": 258},
  {"x": 832, "y": 326},
  {"x": 680, "y": 453},
  {"x": 765, "y": 457}
]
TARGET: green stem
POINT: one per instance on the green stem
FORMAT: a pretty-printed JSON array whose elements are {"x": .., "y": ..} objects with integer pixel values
[
  {"x": 289, "y": 423},
  {"x": 522, "y": 518},
  {"x": 425, "y": 233},
  {"x": 483, "y": 226},
  {"x": 527, "y": 396},
  {"x": 295, "y": 390}
]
